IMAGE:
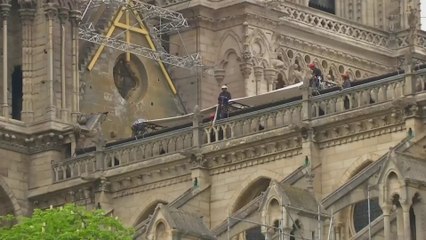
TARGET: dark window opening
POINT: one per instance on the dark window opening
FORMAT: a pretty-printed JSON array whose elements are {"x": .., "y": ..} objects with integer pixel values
[
  {"x": 280, "y": 82},
  {"x": 254, "y": 234},
  {"x": 346, "y": 103},
  {"x": 360, "y": 215},
  {"x": 321, "y": 112},
  {"x": 412, "y": 224},
  {"x": 67, "y": 150},
  {"x": 323, "y": 5},
  {"x": 17, "y": 93}
]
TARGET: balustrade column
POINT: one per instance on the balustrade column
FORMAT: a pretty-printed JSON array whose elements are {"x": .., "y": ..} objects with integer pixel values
[
  {"x": 270, "y": 77},
  {"x": 386, "y": 209},
  {"x": 63, "y": 17},
  {"x": 27, "y": 17},
  {"x": 75, "y": 106},
  {"x": 258, "y": 74},
  {"x": 246, "y": 70},
  {"x": 51, "y": 12},
  {"x": 406, "y": 219},
  {"x": 4, "y": 12}
]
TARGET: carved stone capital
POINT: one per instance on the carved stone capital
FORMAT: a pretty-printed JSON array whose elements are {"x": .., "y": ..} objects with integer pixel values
[
  {"x": 4, "y": 9},
  {"x": 246, "y": 69},
  {"x": 219, "y": 75},
  {"x": 75, "y": 17},
  {"x": 270, "y": 74},
  {"x": 27, "y": 15},
  {"x": 63, "y": 15},
  {"x": 258, "y": 72},
  {"x": 51, "y": 11}
]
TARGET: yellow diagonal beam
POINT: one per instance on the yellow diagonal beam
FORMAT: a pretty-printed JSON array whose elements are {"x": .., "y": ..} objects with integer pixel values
[
  {"x": 108, "y": 34},
  {"x": 152, "y": 46}
]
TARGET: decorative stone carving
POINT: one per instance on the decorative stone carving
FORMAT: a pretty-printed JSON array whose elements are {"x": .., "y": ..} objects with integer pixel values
[{"x": 219, "y": 75}]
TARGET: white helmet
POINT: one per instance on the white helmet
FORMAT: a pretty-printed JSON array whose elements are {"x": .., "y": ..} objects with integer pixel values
[{"x": 224, "y": 87}]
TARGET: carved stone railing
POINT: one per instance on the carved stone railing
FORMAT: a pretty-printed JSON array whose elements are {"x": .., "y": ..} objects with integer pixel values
[
  {"x": 75, "y": 167},
  {"x": 250, "y": 123},
  {"x": 120, "y": 155},
  {"x": 359, "y": 96},
  {"x": 340, "y": 27},
  {"x": 241, "y": 125},
  {"x": 148, "y": 148}
]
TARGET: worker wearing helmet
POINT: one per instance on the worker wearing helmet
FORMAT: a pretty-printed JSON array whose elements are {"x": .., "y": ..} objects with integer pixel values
[
  {"x": 346, "y": 81},
  {"x": 223, "y": 102},
  {"x": 317, "y": 78}
]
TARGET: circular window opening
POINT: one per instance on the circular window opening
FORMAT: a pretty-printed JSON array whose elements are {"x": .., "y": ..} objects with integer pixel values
[
  {"x": 290, "y": 54},
  {"x": 307, "y": 59},
  {"x": 324, "y": 64},
  {"x": 130, "y": 77},
  {"x": 357, "y": 74},
  {"x": 341, "y": 69}
]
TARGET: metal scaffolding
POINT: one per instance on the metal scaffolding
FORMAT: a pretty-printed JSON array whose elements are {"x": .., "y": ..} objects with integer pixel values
[{"x": 166, "y": 21}]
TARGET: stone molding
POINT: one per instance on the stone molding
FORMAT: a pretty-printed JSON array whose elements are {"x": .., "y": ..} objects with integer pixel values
[
  {"x": 154, "y": 185},
  {"x": 27, "y": 144},
  {"x": 359, "y": 130},
  {"x": 251, "y": 156}
]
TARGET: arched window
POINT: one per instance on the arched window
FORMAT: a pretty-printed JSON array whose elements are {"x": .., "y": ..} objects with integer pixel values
[
  {"x": 160, "y": 232},
  {"x": 360, "y": 213},
  {"x": 255, "y": 189}
]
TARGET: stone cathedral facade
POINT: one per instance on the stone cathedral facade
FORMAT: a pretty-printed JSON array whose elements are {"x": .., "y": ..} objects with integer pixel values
[{"x": 344, "y": 164}]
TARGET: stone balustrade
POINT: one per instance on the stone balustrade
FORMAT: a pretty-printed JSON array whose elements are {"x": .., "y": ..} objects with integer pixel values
[
  {"x": 358, "y": 96},
  {"x": 120, "y": 155},
  {"x": 338, "y": 27},
  {"x": 241, "y": 125},
  {"x": 250, "y": 123},
  {"x": 75, "y": 167}
]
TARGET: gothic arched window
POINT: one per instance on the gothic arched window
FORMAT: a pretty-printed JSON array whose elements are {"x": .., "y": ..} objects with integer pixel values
[{"x": 360, "y": 213}]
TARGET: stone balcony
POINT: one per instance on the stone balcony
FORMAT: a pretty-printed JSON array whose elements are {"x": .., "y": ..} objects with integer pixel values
[{"x": 390, "y": 96}]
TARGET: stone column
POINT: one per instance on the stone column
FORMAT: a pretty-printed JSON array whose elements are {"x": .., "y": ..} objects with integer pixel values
[
  {"x": 4, "y": 12},
  {"x": 75, "y": 106},
  {"x": 219, "y": 75},
  {"x": 258, "y": 75},
  {"x": 270, "y": 77},
  {"x": 63, "y": 16},
  {"x": 406, "y": 219},
  {"x": 51, "y": 13},
  {"x": 246, "y": 70},
  {"x": 27, "y": 17},
  {"x": 386, "y": 220}
]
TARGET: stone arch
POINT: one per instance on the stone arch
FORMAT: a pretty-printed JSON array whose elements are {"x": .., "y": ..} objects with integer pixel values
[
  {"x": 298, "y": 59},
  {"x": 249, "y": 182},
  {"x": 148, "y": 209},
  {"x": 282, "y": 56},
  {"x": 334, "y": 72},
  {"x": 393, "y": 183},
  {"x": 357, "y": 166},
  {"x": 272, "y": 210},
  {"x": 9, "y": 198},
  {"x": 230, "y": 63},
  {"x": 259, "y": 46},
  {"x": 161, "y": 230},
  {"x": 229, "y": 39}
]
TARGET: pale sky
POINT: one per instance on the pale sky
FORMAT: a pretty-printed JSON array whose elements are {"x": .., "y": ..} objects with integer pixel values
[{"x": 423, "y": 13}]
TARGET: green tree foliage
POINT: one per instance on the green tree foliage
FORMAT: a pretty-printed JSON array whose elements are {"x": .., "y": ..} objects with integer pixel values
[{"x": 66, "y": 223}]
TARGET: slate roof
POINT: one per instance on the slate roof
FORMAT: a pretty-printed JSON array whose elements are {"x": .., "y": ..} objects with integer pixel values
[
  {"x": 186, "y": 222},
  {"x": 299, "y": 198}
]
